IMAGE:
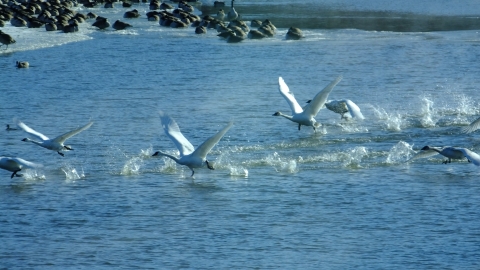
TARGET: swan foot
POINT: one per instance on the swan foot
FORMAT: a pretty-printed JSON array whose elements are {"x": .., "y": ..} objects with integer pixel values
[
  {"x": 15, "y": 173},
  {"x": 209, "y": 165},
  {"x": 61, "y": 154}
]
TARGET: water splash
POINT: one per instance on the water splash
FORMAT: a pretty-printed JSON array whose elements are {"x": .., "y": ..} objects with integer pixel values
[
  {"x": 427, "y": 112},
  {"x": 71, "y": 174},
  {"x": 238, "y": 171},
  {"x": 281, "y": 164},
  {"x": 353, "y": 157},
  {"x": 400, "y": 153},
  {"x": 392, "y": 122},
  {"x": 30, "y": 175},
  {"x": 132, "y": 166}
]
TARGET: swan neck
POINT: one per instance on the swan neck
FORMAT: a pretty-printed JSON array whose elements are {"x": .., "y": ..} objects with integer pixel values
[{"x": 168, "y": 155}]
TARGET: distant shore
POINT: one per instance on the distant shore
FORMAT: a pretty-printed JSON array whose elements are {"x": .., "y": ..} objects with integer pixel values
[{"x": 314, "y": 17}]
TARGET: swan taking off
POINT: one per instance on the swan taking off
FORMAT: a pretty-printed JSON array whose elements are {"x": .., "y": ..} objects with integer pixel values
[
  {"x": 189, "y": 156},
  {"x": 344, "y": 106},
  {"x": 305, "y": 116},
  {"x": 448, "y": 152},
  {"x": 472, "y": 127},
  {"x": 55, "y": 144},
  {"x": 16, "y": 164}
]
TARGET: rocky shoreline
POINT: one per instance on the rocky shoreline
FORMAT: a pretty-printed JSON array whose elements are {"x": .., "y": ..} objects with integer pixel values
[{"x": 308, "y": 17}]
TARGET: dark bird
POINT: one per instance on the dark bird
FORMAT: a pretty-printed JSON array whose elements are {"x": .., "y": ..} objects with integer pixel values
[
  {"x": 119, "y": 25},
  {"x": 6, "y": 39}
]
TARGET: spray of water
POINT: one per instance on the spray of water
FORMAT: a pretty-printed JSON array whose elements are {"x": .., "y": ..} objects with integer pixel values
[
  {"x": 400, "y": 153},
  {"x": 71, "y": 174},
  {"x": 281, "y": 164}
]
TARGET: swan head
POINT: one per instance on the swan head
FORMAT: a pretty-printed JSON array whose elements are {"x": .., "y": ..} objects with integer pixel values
[
  {"x": 277, "y": 114},
  {"x": 68, "y": 147},
  {"x": 426, "y": 148}
]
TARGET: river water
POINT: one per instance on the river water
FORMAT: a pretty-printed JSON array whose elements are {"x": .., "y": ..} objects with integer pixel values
[{"x": 279, "y": 198}]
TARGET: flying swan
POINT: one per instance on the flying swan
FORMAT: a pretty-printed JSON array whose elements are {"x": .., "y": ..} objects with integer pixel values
[
  {"x": 16, "y": 164},
  {"x": 189, "y": 156},
  {"x": 305, "y": 116},
  {"x": 448, "y": 152},
  {"x": 55, "y": 144},
  {"x": 472, "y": 127}
]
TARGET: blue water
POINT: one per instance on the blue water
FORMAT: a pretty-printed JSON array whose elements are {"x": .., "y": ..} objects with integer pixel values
[{"x": 279, "y": 198}]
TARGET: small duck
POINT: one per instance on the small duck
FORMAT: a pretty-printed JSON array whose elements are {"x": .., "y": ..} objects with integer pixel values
[
  {"x": 10, "y": 128},
  {"x": 22, "y": 64}
]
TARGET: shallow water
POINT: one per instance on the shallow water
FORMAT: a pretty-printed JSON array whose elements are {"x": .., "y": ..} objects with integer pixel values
[{"x": 342, "y": 197}]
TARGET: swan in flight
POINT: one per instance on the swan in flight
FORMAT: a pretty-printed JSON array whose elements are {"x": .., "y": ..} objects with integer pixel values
[
  {"x": 472, "y": 127},
  {"x": 448, "y": 152},
  {"x": 342, "y": 107},
  {"x": 305, "y": 116},
  {"x": 16, "y": 164},
  {"x": 189, "y": 156},
  {"x": 55, "y": 144}
]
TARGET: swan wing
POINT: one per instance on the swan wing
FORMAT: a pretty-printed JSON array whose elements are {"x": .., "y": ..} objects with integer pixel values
[
  {"x": 472, "y": 127},
  {"x": 31, "y": 131},
  {"x": 285, "y": 91},
  {"x": 64, "y": 137},
  {"x": 472, "y": 156},
  {"x": 319, "y": 100},
  {"x": 353, "y": 109},
  {"x": 172, "y": 130},
  {"x": 205, "y": 147}
]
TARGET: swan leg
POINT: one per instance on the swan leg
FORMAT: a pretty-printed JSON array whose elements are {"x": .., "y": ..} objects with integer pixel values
[
  {"x": 193, "y": 172},
  {"x": 209, "y": 165},
  {"x": 15, "y": 174},
  {"x": 299, "y": 126},
  {"x": 61, "y": 154}
]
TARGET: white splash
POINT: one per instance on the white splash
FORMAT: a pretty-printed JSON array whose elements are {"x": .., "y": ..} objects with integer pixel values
[
  {"x": 281, "y": 164},
  {"x": 400, "y": 153},
  {"x": 132, "y": 166},
  {"x": 238, "y": 171},
  {"x": 71, "y": 174},
  {"x": 354, "y": 156},
  {"x": 426, "y": 113},
  {"x": 391, "y": 121}
]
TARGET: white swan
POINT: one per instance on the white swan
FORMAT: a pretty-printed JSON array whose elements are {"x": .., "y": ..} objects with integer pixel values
[
  {"x": 16, "y": 164},
  {"x": 55, "y": 144},
  {"x": 448, "y": 152},
  {"x": 232, "y": 14},
  {"x": 189, "y": 156},
  {"x": 472, "y": 127},
  {"x": 344, "y": 106},
  {"x": 305, "y": 116}
]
